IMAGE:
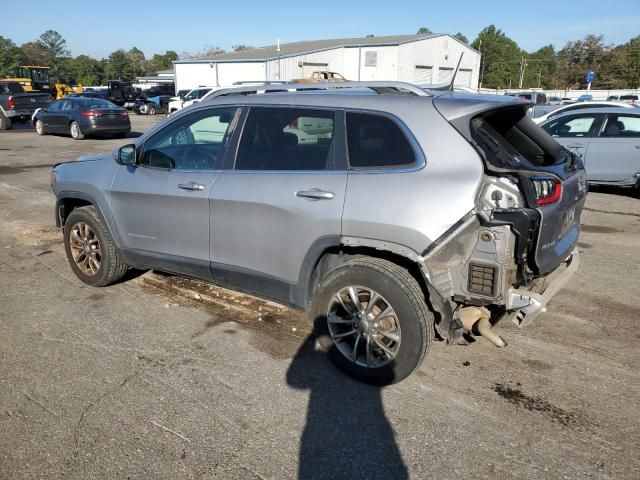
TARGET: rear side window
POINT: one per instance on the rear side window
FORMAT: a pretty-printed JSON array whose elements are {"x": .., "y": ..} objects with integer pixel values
[
  {"x": 287, "y": 139},
  {"x": 376, "y": 141},
  {"x": 621, "y": 126}
]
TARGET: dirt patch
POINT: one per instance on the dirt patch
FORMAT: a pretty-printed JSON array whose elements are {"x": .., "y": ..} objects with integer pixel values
[
  {"x": 584, "y": 245},
  {"x": 277, "y": 329},
  {"x": 536, "y": 404},
  {"x": 627, "y": 214}
]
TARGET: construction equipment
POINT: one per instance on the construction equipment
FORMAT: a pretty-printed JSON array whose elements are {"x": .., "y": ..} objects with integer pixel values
[
  {"x": 33, "y": 78},
  {"x": 62, "y": 89}
]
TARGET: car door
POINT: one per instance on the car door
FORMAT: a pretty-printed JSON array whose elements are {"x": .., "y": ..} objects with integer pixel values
[
  {"x": 49, "y": 115},
  {"x": 575, "y": 131},
  {"x": 161, "y": 205},
  {"x": 614, "y": 155},
  {"x": 282, "y": 196}
]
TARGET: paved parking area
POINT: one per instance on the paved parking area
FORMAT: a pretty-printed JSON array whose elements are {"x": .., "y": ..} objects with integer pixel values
[{"x": 164, "y": 379}]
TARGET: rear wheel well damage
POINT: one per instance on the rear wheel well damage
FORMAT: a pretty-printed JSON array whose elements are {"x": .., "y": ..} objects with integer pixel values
[{"x": 333, "y": 257}]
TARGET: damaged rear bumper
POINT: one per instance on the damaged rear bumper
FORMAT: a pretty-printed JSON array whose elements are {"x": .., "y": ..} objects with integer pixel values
[{"x": 523, "y": 305}]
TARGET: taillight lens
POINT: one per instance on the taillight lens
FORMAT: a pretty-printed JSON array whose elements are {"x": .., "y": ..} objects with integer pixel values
[
  {"x": 125, "y": 113},
  {"x": 91, "y": 113},
  {"x": 548, "y": 190},
  {"x": 11, "y": 104}
]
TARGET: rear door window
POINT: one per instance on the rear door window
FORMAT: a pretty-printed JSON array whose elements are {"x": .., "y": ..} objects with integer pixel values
[
  {"x": 572, "y": 126},
  {"x": 376, "y": 141},
  {"x": 621, "y": 126},
  {"x": 287, "y": 139}
]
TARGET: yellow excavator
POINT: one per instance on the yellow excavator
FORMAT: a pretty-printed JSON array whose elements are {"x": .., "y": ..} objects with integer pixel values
[{"x": 35, "y": 78}]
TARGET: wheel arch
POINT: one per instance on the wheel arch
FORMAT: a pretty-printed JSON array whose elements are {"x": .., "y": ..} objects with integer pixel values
[{"x": 328, "y": 253}]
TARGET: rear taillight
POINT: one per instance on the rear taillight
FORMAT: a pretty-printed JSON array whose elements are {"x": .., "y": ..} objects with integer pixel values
[
  {"x": 125, "y": 113},
  {"x": 548, "y": 190},
  {"x": 91, "y": 113},
  {"x": 11, "y": 103}
]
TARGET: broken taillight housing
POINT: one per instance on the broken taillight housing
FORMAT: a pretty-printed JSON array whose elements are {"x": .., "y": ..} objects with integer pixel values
[{"x": 548, "y": 190}]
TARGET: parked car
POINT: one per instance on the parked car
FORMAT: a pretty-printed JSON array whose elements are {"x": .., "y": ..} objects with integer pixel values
[
  {"x": 608, "y": 139},
  {"x": 537, "y": 98},
  {"x": 631, "y": 98},
  {"x": 586, "y": 97},
  {"x": 193, "y": 96},
  {"x": 410, "y": 213},
  {"x": 90, "y": 94},
  {"x": 579, "y": 106},
  {"x": 152, "y": 105},
  {"x": 613, "y": 98},
  {"x": 81, "y": 116},
  {"x": 16, "y": 105}
]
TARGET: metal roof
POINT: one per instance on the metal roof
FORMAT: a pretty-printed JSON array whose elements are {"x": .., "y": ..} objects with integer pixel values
[{"x": 299, "y": 48}]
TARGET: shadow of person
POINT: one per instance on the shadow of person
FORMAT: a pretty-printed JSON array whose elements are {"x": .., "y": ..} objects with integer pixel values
[{"x": 347, "y": 435}]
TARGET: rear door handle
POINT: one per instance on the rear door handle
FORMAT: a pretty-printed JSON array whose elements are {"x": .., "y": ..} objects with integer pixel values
[
  {"x": 315, "y": 194},
  {"x": 193, "y": 186}
]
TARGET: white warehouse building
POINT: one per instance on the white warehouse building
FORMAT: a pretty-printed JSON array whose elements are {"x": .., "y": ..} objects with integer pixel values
[{"x": 428, "y": 59}]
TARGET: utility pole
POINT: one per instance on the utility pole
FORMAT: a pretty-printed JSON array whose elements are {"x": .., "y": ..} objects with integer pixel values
[
  {"x": 540, "y": 78},
  {"x": 481, "y": 64},
  {"x": 523, "y": 65}
]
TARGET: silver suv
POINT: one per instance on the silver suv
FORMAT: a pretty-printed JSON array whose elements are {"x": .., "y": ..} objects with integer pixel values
[{"x": 392, "y": 215}]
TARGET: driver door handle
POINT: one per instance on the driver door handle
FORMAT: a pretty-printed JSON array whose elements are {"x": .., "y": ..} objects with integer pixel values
[
  {"x": 315, "y": 194},
  {"x": 193, "y": 186}
]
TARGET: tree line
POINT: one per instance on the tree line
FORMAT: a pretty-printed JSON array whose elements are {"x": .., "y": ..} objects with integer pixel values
[
  {"x": 504, "y": 64},
  {"x": 50, "y": 50}
]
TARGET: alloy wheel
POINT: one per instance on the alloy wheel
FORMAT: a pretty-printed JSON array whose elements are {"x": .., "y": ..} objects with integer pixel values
[
  {"x": 363, "y": 326},
  {"x": 85, "y": 248}
]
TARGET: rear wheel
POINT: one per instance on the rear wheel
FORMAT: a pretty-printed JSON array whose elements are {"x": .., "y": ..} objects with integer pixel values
[
  {"x": 76, "y": 133},
  {"x": 5, "y": 122},
  {"x": 40, "y": 127},
  {"x": 151, "y": 110},
  {"x": 91, "y": 250},
  {"x": 371, "y": 318}
]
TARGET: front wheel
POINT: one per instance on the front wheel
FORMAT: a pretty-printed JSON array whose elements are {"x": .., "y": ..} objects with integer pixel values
[
  {"x": 40, "y": 127},
  {"x": 151, "y": 110},
  {"x": 371, "y": 318},
  {"x": 76, "y": 133},
  {"x": 90, "y": 248}
]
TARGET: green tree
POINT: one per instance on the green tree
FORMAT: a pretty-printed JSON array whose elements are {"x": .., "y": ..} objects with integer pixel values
[
  {"x": 501, "y": 58},
  {"x": 423, "y": 31},
  {"x": 542, "y": 68},
  {"x": 32, "y": 53},
  {"x": 161, "y": 61},
  {"x": 462, "y": 38},
  {"x": 10, "y": 57},
  {"x": 83, "y": 69},
  {"x": 117, "y": 65},
  {"x": 54, "y": 48},
  {"x": 577, "y": 57},
  {"x": 137, "y": 63},
  {"x": 238, "y": 48}
]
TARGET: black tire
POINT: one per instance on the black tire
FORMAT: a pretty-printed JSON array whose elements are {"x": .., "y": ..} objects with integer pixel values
[
  {"x": 5, "y": 122},
  {"x": 112, "y": 266},
  {"x": 75, "y": 131},
  {"x": 121, "y": 135},
  {"x": 39, "y": 126},
  {"x": 151, "y": 110},
  {"x": 402, "y": 292}
]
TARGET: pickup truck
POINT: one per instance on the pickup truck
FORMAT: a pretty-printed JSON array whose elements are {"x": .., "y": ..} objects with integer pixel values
[{"x": 18, "y": 105}]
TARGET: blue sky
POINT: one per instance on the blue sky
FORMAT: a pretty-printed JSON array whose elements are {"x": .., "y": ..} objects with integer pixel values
[{"x": 192, "y": 26}]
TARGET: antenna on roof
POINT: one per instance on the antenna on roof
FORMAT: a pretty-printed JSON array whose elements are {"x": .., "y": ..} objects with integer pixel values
[{"x": 455, "y": 72}]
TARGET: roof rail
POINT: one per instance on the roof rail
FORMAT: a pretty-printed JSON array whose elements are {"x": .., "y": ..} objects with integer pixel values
[{"x": 379, "y": 87}]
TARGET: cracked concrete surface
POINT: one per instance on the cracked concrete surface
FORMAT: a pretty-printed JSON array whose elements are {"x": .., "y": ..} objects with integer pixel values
[{"x": 136, "y": 382}]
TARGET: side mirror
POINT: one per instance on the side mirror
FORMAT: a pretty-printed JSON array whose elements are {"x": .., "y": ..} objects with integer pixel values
[{"x": 126, "y": 155}]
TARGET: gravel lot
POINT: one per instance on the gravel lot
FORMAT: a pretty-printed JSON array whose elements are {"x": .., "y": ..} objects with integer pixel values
[{"x": 159, "y": 378}]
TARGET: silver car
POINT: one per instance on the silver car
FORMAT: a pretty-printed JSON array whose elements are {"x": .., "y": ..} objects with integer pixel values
[
  {"x": 391, "y": 215},
  {"x": 608, "y": 139}
]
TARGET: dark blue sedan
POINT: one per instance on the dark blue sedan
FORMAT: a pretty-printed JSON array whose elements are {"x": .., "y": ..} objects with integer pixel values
[{"x": 80, "y": 116}]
